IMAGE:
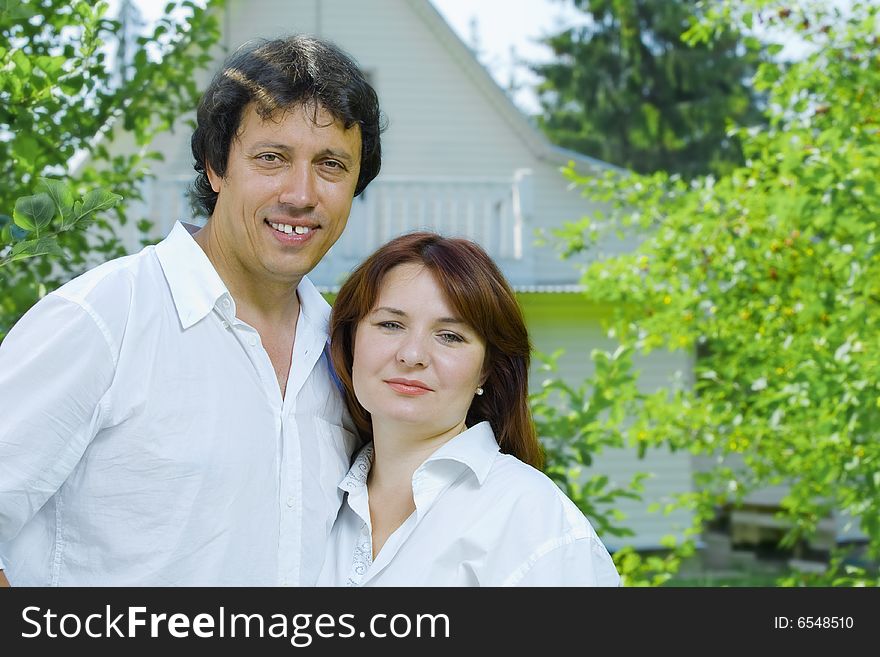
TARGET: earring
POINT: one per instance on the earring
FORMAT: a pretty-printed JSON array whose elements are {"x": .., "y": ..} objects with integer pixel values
[{"x": 479, "y": 391}]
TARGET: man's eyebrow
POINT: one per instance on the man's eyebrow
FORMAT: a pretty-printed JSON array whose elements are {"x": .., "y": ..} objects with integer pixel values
[
  {"x": 400, "y": 313},
  {"x": 269, "y": 145},
  {"x": 339, "y": 155}
]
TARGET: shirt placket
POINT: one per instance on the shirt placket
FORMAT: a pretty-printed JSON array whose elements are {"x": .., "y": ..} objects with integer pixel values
[
  {"x": 289, "y": 509},
  {"x": 290, "y": 489},
  {"x": 307, "y": 347}
]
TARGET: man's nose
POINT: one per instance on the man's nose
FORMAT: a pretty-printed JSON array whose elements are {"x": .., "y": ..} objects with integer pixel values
[{"x": 300, "y": 188}]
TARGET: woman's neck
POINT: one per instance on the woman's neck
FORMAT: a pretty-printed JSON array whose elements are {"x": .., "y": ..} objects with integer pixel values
[{"x": 399, "y": 450}]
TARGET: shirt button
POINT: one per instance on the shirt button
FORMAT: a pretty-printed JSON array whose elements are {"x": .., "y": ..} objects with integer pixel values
[
  {"x": 291, "y": 501},
  {"x": 226, "y": 303},
  {"x": 253, "y": 342}
]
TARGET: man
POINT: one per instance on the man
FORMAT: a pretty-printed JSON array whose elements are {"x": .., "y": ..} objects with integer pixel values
[{"x": 169, "y": 418}]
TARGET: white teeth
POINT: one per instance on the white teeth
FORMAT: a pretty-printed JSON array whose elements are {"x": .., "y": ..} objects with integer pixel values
[{"x": 288, "y": 229}]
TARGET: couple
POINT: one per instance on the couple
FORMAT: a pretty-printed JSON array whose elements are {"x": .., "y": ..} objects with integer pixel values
[{"x": 187, "y": 416}]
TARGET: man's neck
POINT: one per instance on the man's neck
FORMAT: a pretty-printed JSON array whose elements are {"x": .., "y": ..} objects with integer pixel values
[{"x": 259, "y": 300}]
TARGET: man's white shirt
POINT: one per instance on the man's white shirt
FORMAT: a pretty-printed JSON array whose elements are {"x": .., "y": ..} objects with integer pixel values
[
  {"x": 144, "y": 440},
  {"x": 482, "y": 518}
]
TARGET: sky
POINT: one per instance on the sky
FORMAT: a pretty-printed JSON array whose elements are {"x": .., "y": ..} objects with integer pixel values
[{"x": 507, "y": 32}]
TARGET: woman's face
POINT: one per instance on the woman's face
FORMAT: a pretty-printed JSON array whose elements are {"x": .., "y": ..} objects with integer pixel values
[{"x": 415, "y": 362}]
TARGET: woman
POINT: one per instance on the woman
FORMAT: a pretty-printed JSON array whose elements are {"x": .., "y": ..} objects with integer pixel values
[{"x": 432, "y": 352}]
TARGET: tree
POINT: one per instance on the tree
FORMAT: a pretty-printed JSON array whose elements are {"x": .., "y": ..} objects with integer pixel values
[
  {"x": 772, "y": 272},
  {"x": 624, "y": 88},
  {"x": 57, "y": 102}
]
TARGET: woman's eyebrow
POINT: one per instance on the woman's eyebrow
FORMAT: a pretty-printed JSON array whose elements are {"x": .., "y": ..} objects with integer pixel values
[
  {"x": 387, "y": 309},
  {"x": 400, "y": 313}
]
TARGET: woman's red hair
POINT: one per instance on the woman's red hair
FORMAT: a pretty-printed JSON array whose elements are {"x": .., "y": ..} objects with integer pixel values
[{"x": 479, "y": 293}]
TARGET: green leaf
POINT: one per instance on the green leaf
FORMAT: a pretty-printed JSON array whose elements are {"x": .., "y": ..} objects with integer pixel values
[
  {"x": 42, "y": 246},
  {"x": 26, "y": 147},
  {"x": 34, "y": 212},
  {"x": 17, "y": 10},
  {"x": 34, "y": 248},
  {"x": 62, "y": 197},
  {"x": 22, "y": 62},
  {"x": 96, "y": 200}
]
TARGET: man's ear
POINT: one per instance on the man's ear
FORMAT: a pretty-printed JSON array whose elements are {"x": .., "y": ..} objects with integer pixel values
[{"x": 213, "y": 178}]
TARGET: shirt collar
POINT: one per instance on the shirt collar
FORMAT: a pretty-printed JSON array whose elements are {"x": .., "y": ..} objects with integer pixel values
[
  {"x": 360, "y": 469},
  {"x": 474, "y": 448},
  {"x": 196, "y": 286},
  {"x": 313, "y": 306}
]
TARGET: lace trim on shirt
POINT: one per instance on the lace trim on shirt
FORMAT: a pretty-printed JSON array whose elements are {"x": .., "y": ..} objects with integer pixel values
[
  {"x": 363, "y": 557},
  {"x": 357, "y": 475}
]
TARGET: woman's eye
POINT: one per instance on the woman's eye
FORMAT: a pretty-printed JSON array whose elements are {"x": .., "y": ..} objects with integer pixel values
[
  {"x": 451, "y": 337},
  {"x": 389, "y": 325}
]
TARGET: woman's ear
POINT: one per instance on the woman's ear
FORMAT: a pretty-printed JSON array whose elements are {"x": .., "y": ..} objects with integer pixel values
[{"x": 485, "y": 372}]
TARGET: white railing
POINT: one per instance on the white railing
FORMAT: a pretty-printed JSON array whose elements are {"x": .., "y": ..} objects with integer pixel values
[{"x": 485, "y": 210}]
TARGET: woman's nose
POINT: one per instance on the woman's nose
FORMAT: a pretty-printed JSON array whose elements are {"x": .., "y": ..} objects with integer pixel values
[{"x": 412, "y": 352}]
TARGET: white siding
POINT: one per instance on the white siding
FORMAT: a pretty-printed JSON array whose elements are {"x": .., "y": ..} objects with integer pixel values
[{"x": 567, "y": 321}]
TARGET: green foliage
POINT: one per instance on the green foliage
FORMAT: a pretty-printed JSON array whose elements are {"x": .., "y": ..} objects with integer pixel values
[
  {"x": 625, "y": 88},
  {"x": 575, "y": 423},
  {"x": 771, "y": 274},
  {"x": 59, "y": 104},
  {"x": 42, "y": 218}
]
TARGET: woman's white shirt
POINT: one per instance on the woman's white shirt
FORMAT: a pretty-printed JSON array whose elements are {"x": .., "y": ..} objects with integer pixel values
[{"x": 482, "y": 518}]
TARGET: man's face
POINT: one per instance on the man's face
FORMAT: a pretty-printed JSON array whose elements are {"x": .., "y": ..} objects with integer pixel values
[{"x": 286, "y": 195}]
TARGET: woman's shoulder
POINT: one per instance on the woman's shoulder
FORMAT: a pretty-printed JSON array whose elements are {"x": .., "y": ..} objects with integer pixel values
[
  {"x": 510, "y": 468},
  {"x": 530, "y": 491},
  {"x": 510, "y": 471}
]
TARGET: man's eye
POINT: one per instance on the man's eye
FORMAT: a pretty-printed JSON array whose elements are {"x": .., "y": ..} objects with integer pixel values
[
  {"x": 333, "y": 164},
  {"x": 268, "y": 157}
]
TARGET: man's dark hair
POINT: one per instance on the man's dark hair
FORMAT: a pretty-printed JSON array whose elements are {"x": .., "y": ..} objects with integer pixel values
[{"x": 274, "y": 76}]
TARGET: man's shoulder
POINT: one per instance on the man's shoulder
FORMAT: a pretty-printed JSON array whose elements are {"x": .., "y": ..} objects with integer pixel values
[
  {"x": 111, "y": 283},
  {"x": 102, "y": 297}
]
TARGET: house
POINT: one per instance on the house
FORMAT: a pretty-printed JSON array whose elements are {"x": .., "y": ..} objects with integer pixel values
[{"x": 458, "y": 158}]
